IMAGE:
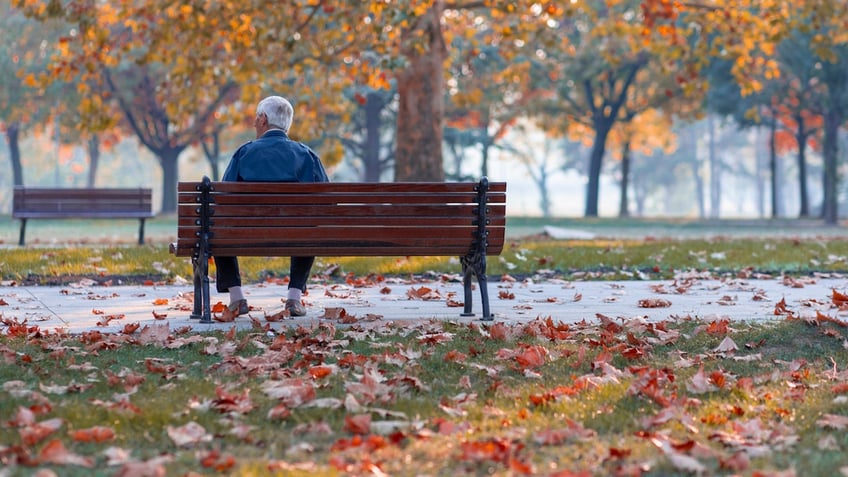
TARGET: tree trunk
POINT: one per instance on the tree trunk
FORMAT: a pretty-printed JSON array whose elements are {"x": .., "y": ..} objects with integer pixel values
[
  {"x": 93, "y": 147},
  {"x": 213, "y": 153},
  {"x": 485, "y": 146},
  {"x": 775, "y": 183},
  {"x": 759, "y": 179},
  {"x": 544, "y": 193},
  {"x": 12, "y": 137},
  {"x": 625, "y": 179},
  {"x": 421, "y": 101},
  {"x": 596, "y": 159},
  {"x": 801, "y": 138},
  {"x": 371, "y": 153},
  {"x": 830, "y": 151},
  {"x": 689, "y": 146},
  {"x": 169, "y": 160},
  {"x": 715, "y": 171}
]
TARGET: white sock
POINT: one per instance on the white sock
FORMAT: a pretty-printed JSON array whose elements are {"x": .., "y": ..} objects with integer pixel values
[
  {"x": 295, "y": 294},
  {"x": 236, "y": 294}
]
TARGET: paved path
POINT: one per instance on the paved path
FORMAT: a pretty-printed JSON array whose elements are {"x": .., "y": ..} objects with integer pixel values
[{"x": 86, "y": 306}]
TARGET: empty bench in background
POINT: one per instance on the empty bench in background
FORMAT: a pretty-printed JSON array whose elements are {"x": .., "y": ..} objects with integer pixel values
[
  {"x": 92, "y": 203},
  {"x": 263, "y": 219}
]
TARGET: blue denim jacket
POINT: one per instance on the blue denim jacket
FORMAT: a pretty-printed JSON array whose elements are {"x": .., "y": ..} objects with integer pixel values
[{"x": 275, "y": 158}]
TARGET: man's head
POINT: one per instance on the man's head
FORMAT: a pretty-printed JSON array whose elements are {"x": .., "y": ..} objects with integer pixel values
[{"x": 273, "y": 112}]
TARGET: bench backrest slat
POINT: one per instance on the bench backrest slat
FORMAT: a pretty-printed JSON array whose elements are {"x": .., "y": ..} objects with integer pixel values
[
  {"x": 373, "y": 219},
  {"x": 342, "y": 187}
]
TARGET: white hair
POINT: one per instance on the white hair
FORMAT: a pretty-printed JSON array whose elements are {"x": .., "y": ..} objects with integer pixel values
[{"x": 278, "y": 110}]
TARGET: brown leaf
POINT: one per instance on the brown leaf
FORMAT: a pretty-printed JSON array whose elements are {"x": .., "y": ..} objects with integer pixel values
[
  {"x": 56, "y": 453},
  {"x": 423, "y": 293},
  {"x": 188, "y": 434},
  {"x": 358, "y": 424},
  {"x": 334, "y": 313},
  {"x": 833, "y": 421},
  {"x": 839, "y": 299},
  {"x": 216, "y": 461},
  {"x": 654, "y": 303},
  {"x": 727, "y": 345},
  {"x": 278, "y": 316},
  {"x": 37, "y": 432},
  {"x": 93, "y": 434}
]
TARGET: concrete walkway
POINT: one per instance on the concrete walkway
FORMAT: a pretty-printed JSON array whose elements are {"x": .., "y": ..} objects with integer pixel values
[{"x": 87, "y": 306}]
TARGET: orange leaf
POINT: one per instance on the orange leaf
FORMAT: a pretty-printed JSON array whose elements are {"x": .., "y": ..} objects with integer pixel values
[
  {"x": 532, "y": 356},
  {"x": 839, "y": 299},
  {"x": 160, "y": 301},
  {"x": 93, "y": 434},
  {"x": 654, "y": 303},
  {"x": 718, "y": 327},
  {"x": 319, "y": 372},
  {"x": 214, "y": 460},
  {"x": 56, "y": 453},
  {"x": 359, "y": 424}
]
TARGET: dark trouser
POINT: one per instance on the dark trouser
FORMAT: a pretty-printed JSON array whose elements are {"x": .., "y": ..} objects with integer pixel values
[{"x": 227, "y": 271}]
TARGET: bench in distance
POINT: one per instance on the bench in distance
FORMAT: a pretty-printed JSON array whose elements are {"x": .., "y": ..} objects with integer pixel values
[{"x": 89, "y": 203}]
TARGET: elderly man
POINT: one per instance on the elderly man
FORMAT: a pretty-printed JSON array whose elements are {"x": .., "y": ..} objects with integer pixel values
[{"x": 272, "y": 157}]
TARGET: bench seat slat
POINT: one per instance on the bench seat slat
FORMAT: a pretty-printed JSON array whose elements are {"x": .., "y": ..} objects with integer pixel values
[
  {"x": 287, "y": 221},
  {"x": 346, "y": 250},
  {"x": 186, "y": 248}
]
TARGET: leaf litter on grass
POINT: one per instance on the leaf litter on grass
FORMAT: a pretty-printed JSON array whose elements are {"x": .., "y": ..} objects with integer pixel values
[{"x": 603, "y": 397}]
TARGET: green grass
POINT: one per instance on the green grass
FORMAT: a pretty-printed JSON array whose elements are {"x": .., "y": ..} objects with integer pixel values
[{"x": 597, "y": 259}]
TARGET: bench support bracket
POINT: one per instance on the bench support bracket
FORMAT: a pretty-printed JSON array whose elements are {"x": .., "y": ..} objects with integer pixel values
[
  {"x": 200, "y": 258},
  {"x": 474, "y": 263}
]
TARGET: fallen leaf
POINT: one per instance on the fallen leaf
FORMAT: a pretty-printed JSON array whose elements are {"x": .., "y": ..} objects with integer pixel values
[
  {"x": 358, "y": 424},
  {"x": 56, "y": 453},
  {"x": 654, "y": 303},
  {"x": 727, "y": 345},
  {"x": 93, "y": 434},
  {"x": 188, "y": 434}
]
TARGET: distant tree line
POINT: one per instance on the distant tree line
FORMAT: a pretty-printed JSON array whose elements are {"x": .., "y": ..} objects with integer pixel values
[{"x": 409, "y": 90}]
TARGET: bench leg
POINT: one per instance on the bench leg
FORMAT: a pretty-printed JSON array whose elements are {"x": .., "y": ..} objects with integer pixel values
[
  {"x": 141, "y": 232},
  {"x": 21, "y": 238},
  {"x": 467, "y": 272},
  {"x": 198, "y": 290},
  {"x": 206, "y": 316},
  {"x": 475, "y": 264},
  {"x": 483, "y": 282}
]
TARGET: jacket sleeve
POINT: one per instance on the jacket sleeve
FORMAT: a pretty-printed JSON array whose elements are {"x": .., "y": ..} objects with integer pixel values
[{"x": 231, "y": 174}]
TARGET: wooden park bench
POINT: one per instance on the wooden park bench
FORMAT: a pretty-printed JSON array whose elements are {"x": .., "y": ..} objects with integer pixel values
[
  {"x": 92, "y": 203},
  {"x": 265, "y": 219}
]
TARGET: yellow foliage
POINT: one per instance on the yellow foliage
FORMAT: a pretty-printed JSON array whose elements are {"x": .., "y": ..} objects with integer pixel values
[{"x": 30, "y": 81}]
